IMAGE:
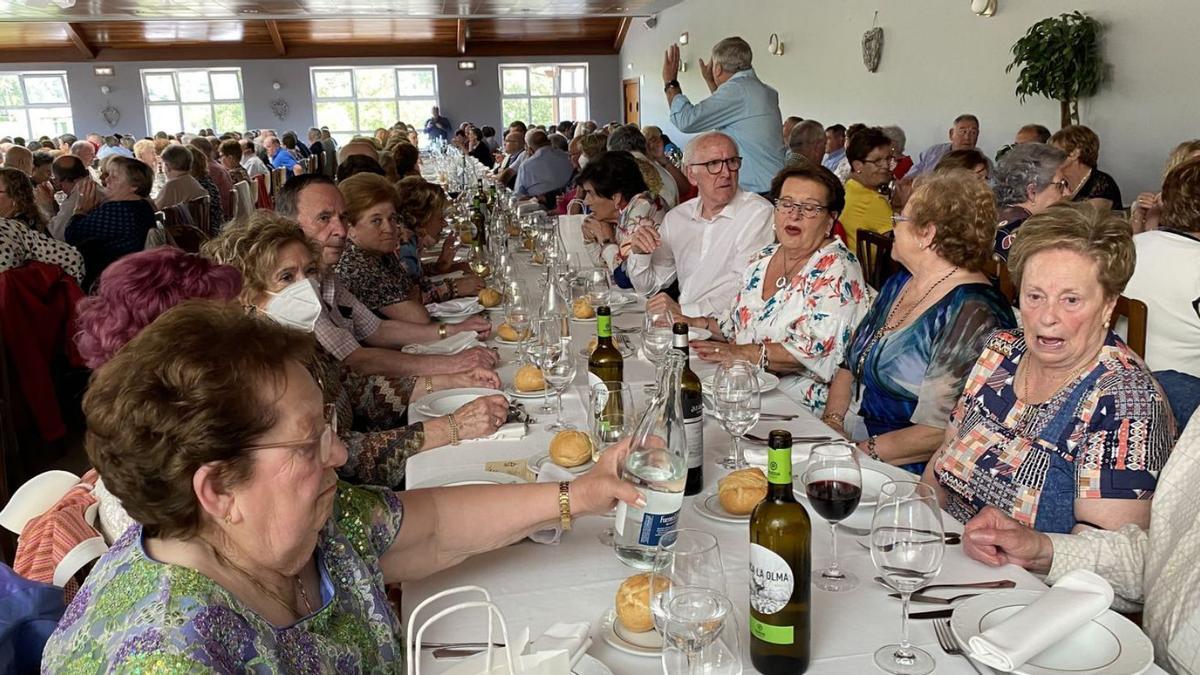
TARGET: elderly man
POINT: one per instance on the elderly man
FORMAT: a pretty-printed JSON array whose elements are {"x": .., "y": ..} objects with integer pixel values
[
  {"x": 1032, "y": 133},
  {"x": 806, "y": 143},
  {"x": 250, "y": 160},
  {"x": 789, "y": 124},
  {"x": 437, "y": 127},
  {"x": 630, "y": 139},
  {"x": 346, "y": 328},
  {"x": 280, "y": 157},
  {"x": 112, "y": 146},
  {"x": 67, "y": 175},
  {"x": 20, "y": 158},
  {"x": 741, "y": 106},
  {"x": 835, "y": 148},
  {"x": 704, "y": 243},
  {"x": 181, "y": 186},
  {"x": 545, "y": 171},
  {"x": 963, "y": 136},
  {"x": 514, "y": 155}
]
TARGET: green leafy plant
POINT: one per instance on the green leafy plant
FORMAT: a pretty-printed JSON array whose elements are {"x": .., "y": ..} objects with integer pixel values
[{"x": 1059, "y": 58}]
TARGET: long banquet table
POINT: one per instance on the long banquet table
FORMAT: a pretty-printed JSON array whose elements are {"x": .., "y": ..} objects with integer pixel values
[{"x": 536, "y": 585}]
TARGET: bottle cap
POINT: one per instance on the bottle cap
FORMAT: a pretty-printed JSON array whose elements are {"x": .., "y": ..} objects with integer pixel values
[{"x": 779, "y": 439}]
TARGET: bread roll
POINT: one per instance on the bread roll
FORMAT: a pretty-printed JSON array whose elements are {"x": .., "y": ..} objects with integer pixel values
[
  {"x": 742, "y": 490},
  {"x": 582, "y": 308},
  {"x": 507, "y": 332},
  {"x": 633, "y": 601},
  {"x": 570, "y": 448},
  {"x": 529, "y": 378},
  {"x": 490, "y": 297}
]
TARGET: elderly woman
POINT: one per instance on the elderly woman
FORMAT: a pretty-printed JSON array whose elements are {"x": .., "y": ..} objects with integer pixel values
[
  {"x": 1029, "y": 180},
  {"x": 906, "y": 366},
  {"x": 1087, "y": 183},
  {"x": 19, "y": 245},
  {"x": 870, "y": 155},
  {"x": 967, "y": 159},
  {"x": 1060, "y": 426},
  {"x": 590, "y": 147},
  {"x": 145, "y": 152},
  {"x": 478, "y": 149},
  {"x": 249, "y": 554},
  {"x": 17, "y": 200},
  {"x": 421, "y": 208},
  {"x": 801, "y": 298},
  {"x": 619, "y": 200},
  {"x": 105, "y": 231},
  {"x": 904, "y": 162},
  {"x": 1146, "y": 210},
  {"x": 272, "y": 253},
  {"x": 199, "y": 171}
]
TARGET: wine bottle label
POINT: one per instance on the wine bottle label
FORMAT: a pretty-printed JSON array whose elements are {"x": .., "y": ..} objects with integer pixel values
[
  {"x": 771, "y": 581},
  {"x": 693, "y": 431},
  {"x": 603, "y": 326},
  {"x": 779, "y": 466},
  {"x": 659, "y": 517},
  {"x": 776, "y": 635}
]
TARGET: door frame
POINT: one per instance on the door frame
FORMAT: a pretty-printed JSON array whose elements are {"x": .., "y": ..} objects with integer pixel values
[{"x": 624, "y": 104}]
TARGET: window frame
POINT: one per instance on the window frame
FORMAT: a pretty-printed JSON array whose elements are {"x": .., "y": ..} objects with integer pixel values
[
  {"x": 342, "y": 135},
  {"x": 555, "y": 98},
  {"x": 178, "y": 103},
  {"x": 25, "y": 106}
]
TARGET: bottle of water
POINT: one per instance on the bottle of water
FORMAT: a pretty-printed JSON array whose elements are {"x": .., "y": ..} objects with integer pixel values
[{"x": 657, "y": 465}]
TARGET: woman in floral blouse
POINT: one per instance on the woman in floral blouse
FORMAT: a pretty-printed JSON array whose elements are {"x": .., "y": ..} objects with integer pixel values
[
  {"x": 420, "y": 208},
  {"x": 802, "y": 297},
  {"x": 615, "y": 192}
]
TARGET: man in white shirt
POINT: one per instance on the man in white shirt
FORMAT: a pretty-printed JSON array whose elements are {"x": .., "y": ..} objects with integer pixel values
[
  {"x": 250, "y": 161},
  {"x": 704, "y": 243}
]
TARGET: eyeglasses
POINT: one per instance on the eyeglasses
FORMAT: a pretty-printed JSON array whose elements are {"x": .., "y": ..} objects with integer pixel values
[
  {"x": 1064, "y": 186},
  {"x": 796, "y": 209},
  {"x": 881, "y": 162},
  {"x": 323, "y": 443},
  {"x": 714, "y": 166},
  {"x": 896, "y": 220}
]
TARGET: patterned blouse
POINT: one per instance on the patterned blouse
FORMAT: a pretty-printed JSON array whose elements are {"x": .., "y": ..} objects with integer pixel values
[
  {"x": 812, "y": 317},
  {"x": 378, "y": 280},
  {"x": 216, "y": 214},
  {"x": 19, "y": 244},
  {"x": 137, "y": 615},
  {"x": 643, "y": 209},
  {"x": 1104, "y": 436}
]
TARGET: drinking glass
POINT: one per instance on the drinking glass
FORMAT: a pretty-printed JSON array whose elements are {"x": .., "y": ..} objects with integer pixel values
[
  {"x": 833, "y": 483},
  {"x": 701, "y": 634},
  {"x": 517, "y": 315},
  {"x": 598, "y": 285},
  {"x": 684, "y": 558},
  {"x": 545, "y": 346},
  {"x": 608, "y": 421},
  {"x": 907, "y": 544},
  {"x": 656, "y": 335},
  {"x": 559, "y": 374},
  {"x": 737, "y": 403}
]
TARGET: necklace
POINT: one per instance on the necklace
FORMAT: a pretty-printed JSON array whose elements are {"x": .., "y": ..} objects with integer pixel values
[
  {"x": 888, "y": 326},
  {"x": 260, "y": 586},
  {"x": 1025, "y": 384},
  {"x": 783, "y": 278},
  {"x": 1083, "y": 181}
]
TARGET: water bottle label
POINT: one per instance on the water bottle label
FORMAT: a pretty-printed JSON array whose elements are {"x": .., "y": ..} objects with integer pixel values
[
  {"x": 771, "y": 581},
  {"x": 654, "y": 526},
  {"x": 693, "y": 431}
]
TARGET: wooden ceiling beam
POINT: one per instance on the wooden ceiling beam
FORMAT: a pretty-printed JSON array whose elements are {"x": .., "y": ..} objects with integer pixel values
[
  {"x": 622, "y": 31},
  {"x": 276, "y": 38},
  {"x": 80, "y": 43},
  {"x": 461, "y": 41}
]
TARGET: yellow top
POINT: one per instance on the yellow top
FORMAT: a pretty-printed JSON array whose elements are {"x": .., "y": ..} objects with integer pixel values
[{"x": 865, "y": 209}]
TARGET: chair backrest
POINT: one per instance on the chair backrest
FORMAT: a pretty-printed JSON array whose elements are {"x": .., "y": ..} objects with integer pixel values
[
  {"x": 262, "y": 189},
  {"x": 320, "y": 162},
  {"x": 874, "y": 253},
  {"x": 1005, "y": 283},
  {"x": 243, "y": 197},
  {"x": 35, "y": 497},
  {"x": 278, "y": 176},
  {"x": 1134, "y": 312},
  {"x": 8, "y": 452},
  {"x": 181, "y": 230},
  {"x": 201, "y": 214}
]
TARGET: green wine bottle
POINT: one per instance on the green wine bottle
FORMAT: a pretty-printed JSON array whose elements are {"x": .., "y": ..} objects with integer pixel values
[
  {"x": 693, "y": 414},
  {"x": 606, "y": 361}
]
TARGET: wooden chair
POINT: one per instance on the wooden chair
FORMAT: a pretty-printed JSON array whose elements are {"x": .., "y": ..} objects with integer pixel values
[
  {"x": 201, "y": 213},
  {"x": 1005, "y": 283},
  {"x": 262, "y": 191},
  {"x": 278, "y": 176},
  {"x": 874, "y": 253},
  {"x": 182, "y": 233},
  {"x": 8, "y": 454},
  {"x": 1134, "y": 312},
  {"x": 320, "y": 162}
]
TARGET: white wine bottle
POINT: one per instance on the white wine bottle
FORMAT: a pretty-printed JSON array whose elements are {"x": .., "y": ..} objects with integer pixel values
[
  {"x": 692, "y": 397},
  {"x": 780, "y": 567}
]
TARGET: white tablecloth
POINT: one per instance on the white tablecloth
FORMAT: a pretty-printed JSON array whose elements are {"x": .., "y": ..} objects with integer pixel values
[{"x": 537, "y": 585}]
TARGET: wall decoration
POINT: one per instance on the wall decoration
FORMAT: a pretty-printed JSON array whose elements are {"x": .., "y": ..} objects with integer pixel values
[
  {"x": 111, "y": 115},
  {"x": 872, "y": 46},
  {"x": 280, "y": 108},
  {"x": 1060, "y": 58}
]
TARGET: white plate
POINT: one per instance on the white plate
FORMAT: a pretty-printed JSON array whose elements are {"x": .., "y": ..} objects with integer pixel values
[
  {"x": 507, "y": 343},
  {"x": 625, "y": 352},
  {"x": 539, "y": 459},
  {"x": 456, "y": 318},
  {"x": 872, "y": 484},
  {"x": 445, "y": 402},
  {"x": 575, "y": 319},
  {"x": 699, "y": 333},
  {"x": 512, "y": 391},
  {"x": 1109, "y": 645},
  {"x": 766, "y": 382},
  {"x": 590, "y": 665},
  {"x": 468, "y": 477},
  {"x": 708, "y": 504},
  {"x": 639, "y": 644}
]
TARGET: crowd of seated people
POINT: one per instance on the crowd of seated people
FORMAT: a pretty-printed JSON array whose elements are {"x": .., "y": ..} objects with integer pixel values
[{"x": 307, "y": 307}]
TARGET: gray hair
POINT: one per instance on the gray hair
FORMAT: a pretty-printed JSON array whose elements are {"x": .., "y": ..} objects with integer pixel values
[
  {"x": 628, "y": 138},
  {"x": 805, "y": 134},
  {"x": 536, "y": 139},
  {"x": 1024, "y": 165},
  {"x": 897, "y": 136},
  {"x": 559, "y": 141},
  {"x": 314, "y": 132},
  {"x": 689, "y": 151},
  {"x": 177, "y": 158},
  {"x": 733, "y": 54}
]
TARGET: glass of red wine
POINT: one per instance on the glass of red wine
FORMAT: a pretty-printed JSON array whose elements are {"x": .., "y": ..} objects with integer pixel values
[{"x": 833, "y": 484}]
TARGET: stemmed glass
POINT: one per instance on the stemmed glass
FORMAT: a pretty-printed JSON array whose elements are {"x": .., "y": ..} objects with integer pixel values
[
  {"x": 738, "y": 404},
  {"x": 517, "y": 315},
  {"x": 701, "y": 634},
  {"x": 684, "y": 558},
  {"x": 907, "y": 543},
  {"x": 833, "y": 483},
  {"x": 609, "y": 419},
  {"x": 689, "y": 600},
  {"x": 559, "y": 374},
  {"x": 656, "y": 335},
  {"x": 598, "y": 285},
  {"x": 545, "y": 347}
]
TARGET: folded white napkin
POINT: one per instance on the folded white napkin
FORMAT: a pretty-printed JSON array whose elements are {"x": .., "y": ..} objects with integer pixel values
[
  {"x": 451, "y": 345},
  {"x": 1076, "y": 599},
  {"x": 551, "y": 473},
  {"x": 569, "y": 637},
  {"x": 507, "y": 432},
  {"x": 456, "y": 306}
]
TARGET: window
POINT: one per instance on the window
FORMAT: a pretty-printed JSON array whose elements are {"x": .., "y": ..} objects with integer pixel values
[
  {"x": 357, "y": 101},
  {"x": 543, "y": 93},
  {"x": 35, "y": 104},
  {"x": 193, "y": 99}
]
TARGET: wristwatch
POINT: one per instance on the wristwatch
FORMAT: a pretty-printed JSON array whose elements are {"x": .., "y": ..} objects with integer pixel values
[{"x": 672, "y": 83}]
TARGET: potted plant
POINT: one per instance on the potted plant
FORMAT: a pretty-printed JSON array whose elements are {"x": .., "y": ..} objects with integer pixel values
[{"x": 1059, "y": 58}]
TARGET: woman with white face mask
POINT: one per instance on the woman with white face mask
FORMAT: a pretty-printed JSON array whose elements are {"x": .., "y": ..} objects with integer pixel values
[{"x": 279, "y": 268}]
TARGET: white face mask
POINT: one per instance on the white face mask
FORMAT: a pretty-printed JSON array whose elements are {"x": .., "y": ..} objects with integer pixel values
[{"x": 296, "y": 306}]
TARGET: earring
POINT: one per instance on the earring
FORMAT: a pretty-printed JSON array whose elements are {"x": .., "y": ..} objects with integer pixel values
[{"x": 228, "y": 519}]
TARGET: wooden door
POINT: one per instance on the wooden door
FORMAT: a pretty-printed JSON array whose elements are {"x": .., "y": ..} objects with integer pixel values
[{"x": 633, "y": 103}]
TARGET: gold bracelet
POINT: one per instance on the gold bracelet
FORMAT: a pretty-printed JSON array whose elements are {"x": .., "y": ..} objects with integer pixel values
[
  {"x": 840, "y": 419},
  {"x": 442, "y": 330},
  {"x": 564, "y": 504},
  {"x": 453, "y": 429},
  {"x": 428, "y": 384}
]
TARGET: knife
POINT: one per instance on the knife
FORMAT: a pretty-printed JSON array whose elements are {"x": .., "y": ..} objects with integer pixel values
[{"x": 935, "y": 614}]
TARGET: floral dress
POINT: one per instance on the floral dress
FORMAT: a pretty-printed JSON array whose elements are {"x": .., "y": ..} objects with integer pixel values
[
  {"x": 137, "y": 615},
  {"x": 376, "y": 279},
  {"x": 1105, "y": 435},
  {"x": 812, "y": 317},
  {"x": 643, "y": 209}
]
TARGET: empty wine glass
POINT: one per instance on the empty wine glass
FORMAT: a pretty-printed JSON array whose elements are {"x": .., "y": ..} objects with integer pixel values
[
  {"x": 545, "y": 346},
  {"x": 683, "y": 558},
  {"x": 598, "y": 285},
  {"x": 833, "y": 484},
  {"x": 907, "y": 545},
  {"x": 657, "y": 337},
  {"x": 700, "y": 634},
  {"x": 559, "y": 374},
  {"x": 738, "y": 404}
]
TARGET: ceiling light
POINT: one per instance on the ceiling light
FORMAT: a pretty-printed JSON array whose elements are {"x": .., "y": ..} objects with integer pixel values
[
  {"x": 466, "y": 65},
  {"x": 102, "y": 71}
]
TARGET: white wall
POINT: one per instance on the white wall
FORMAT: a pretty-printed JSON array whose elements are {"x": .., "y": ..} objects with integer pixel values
[
  {"x": 479, "y": 103},
  {"x": 939, "y": 60}
]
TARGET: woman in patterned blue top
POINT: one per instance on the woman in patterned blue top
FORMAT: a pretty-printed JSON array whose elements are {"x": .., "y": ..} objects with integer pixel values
[
  {"x": 106, "y": 231},
  {"x": 910, "y": 355}
]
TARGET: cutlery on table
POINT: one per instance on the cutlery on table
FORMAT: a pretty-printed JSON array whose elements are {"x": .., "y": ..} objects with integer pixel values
[
  {"x": 998, "y": 583},
  {"x": 934, "y": 600},
  {"x": 949, "y": 643},
  {"x": 776, "y": 417},
  {"x": 935, "y": 614},
  {"x": 950, "y": 537},
  {"x": 459, "y": 645}
]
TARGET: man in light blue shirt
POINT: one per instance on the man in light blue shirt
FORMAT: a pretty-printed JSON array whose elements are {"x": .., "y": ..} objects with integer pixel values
[
  {"x": 740, "y": 106},
  {"x": 963, "y": 136},
  {"x": 546, "y": 169},
  {"x": 835, "y": 147}
]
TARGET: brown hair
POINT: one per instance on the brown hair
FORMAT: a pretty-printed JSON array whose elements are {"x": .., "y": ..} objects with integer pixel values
[
  {"x": 1081, "y": 138},
  {"x": 20, "y": 191},
  {"x": 1181, "y": 197},
  {"x": 418, "y": 201},
  {"x": 199, "y": 162},
  {"x": 835, "y": 194},
  {"x": 230, "y": 148},
  {"x": 967, "y": 158},
  {"x": 363, "y": 191},
  {"x": 1083, "y": 228},
  {"x": 1182, "y": 153},
  {"x": 964, "y": 211},
  {"x": 253, "y": 248},
  {"x": 159, "y": 410}
]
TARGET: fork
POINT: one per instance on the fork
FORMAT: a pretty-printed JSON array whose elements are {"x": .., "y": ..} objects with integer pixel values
[
  {"x": 933, "y": 599},
  {"x": 949, "y": 643}
]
